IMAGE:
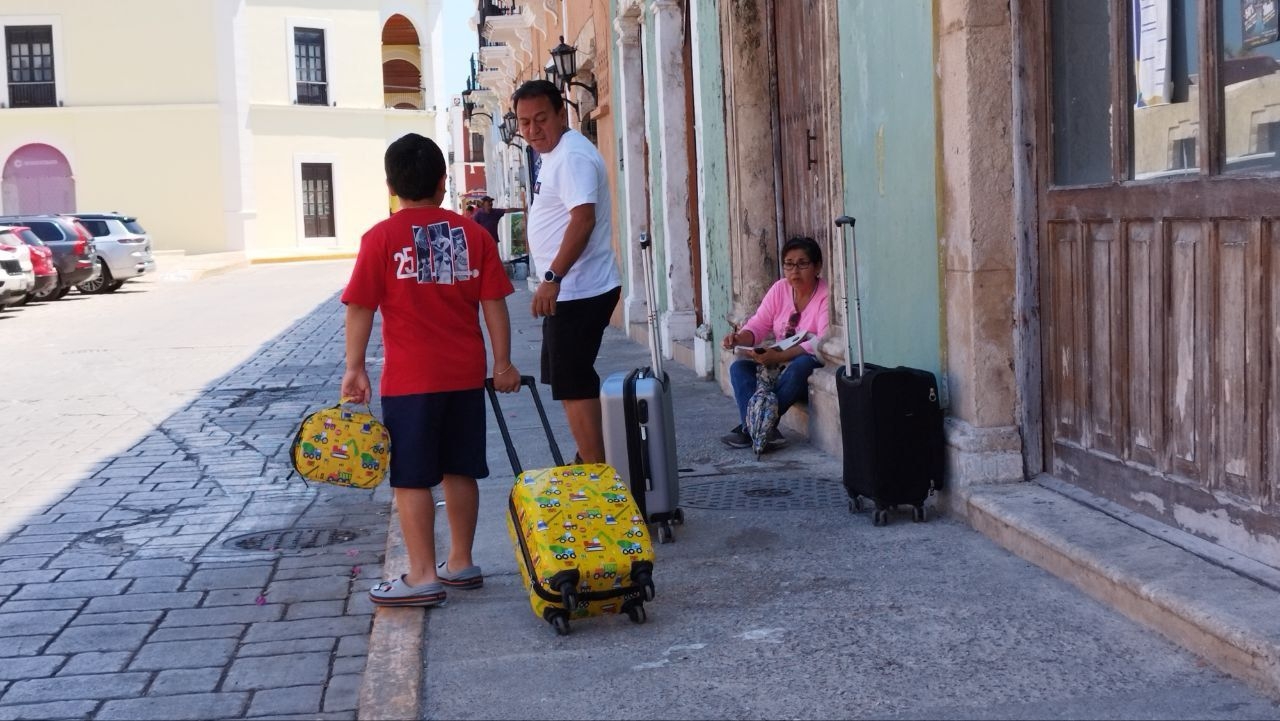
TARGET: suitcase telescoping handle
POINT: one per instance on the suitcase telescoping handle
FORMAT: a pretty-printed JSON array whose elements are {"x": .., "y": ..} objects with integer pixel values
[
  {"x": 851, "y": 245},
  {"x": 506, "y": 432},
  {"x": 651, "y": 301}
]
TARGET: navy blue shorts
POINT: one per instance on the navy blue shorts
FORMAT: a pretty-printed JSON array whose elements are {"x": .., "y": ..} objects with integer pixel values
[
  {"x": 433, "y": 434},
  {"x": 570, "y": 343}
]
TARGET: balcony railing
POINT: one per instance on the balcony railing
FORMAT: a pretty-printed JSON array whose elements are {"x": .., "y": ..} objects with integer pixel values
[{"x": 33, "y": 95}]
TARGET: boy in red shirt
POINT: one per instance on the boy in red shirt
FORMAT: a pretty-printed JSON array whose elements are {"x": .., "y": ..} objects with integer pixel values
[{"x": 429, "y": 271}]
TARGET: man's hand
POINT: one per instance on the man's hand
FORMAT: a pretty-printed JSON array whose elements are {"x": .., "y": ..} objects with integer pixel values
[
  {"x": 544, "y": 299},
  {"x": 507, "y": 380},
  {"x": 355, "y": 386}
]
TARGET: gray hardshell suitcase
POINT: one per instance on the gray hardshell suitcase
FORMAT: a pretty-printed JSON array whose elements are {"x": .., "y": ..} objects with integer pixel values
[{"x": 639, "y": 427}]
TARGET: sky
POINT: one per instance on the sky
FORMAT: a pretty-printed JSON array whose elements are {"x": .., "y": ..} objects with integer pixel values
[{"x": 459, "y": 44}]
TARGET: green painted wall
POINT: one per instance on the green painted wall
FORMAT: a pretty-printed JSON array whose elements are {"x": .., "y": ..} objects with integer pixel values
[
  {"x": 654, "y": 143},
  {"x": 887, "y": 109},
  {"x": 713, "y": 169}
]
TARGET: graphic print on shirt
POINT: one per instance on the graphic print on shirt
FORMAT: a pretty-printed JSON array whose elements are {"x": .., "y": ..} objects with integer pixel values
[{"x": 441, "y": 254}]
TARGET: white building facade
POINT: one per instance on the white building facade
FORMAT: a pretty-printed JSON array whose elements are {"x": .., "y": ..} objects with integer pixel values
[{"x": 238, "y": 125}]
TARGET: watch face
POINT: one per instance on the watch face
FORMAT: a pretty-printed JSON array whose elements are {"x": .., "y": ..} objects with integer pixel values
[{"x": 549, "y": 276}]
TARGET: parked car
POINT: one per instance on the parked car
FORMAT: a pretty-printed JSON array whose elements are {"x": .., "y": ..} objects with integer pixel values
[
  {"x": 72, "y": 246},
  {"x": 16, "y": 271},
  {"x": 124, "y": 250},
  {"x": 41, "y": 263}
]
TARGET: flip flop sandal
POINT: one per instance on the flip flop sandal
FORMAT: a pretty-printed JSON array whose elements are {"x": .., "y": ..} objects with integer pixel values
[
  {"x": 396, "y": 592},
  {"x": 468, "y": 578}
]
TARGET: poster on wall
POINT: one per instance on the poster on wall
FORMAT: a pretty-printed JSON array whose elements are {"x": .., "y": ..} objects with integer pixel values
[
  {"x": 1258, "y": 22},
  {"x": 1151, "y": 52}
]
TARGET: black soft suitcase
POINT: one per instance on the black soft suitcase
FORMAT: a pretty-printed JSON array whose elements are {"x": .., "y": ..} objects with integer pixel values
[{"x": 890, "y": 422}]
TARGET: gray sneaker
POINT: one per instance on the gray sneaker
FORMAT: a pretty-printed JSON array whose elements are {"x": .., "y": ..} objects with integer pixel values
[
  {"x": 467, "y": 578},
  {"x": 736, "y": 438}
]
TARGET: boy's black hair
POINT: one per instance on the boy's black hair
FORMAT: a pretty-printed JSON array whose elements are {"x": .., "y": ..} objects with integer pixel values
[
  {"x": 538, "y": 88},
  {"x": 414, "y": 166},
  {"x": 808, "y": 245}
]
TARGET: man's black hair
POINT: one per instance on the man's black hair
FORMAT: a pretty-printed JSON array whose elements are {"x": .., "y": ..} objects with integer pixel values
[
  {"x": 808, "y": 245},
  {"x": 414, "y": 166},
  {"x": 538, "y": 88}
]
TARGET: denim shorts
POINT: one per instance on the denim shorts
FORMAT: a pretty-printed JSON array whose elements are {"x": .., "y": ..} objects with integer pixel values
[{"x": 433, "y": 434}]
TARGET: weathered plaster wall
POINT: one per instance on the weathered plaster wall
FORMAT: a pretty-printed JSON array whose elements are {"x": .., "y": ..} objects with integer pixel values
[
  {"x": 976, "y": 230},
  {"x": 654, "y": 122},
  {"x": 712, "y": 176},
  {"x": 887, "y": 99}
]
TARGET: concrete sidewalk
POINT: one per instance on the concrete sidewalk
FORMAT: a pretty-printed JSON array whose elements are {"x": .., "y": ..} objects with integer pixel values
[{"x": 775, "y": 602}]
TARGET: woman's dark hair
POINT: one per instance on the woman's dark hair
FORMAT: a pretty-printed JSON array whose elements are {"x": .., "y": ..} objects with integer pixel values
[
  {"x": 538, "y": 88},
  {"x": 808, "y": 245},
  {"x": 414, "y": 166}
]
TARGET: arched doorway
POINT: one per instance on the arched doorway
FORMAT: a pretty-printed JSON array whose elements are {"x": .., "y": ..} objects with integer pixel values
[{"x": 37, "y": 179}]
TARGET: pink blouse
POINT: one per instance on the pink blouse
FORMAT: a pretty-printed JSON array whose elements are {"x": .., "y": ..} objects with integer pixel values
[{"x": 771, "y": 317}]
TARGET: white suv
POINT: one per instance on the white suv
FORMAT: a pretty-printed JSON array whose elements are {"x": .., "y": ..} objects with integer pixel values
[
  {"x": 124, "y": 250},
  {"x": 17, "y": 275}
]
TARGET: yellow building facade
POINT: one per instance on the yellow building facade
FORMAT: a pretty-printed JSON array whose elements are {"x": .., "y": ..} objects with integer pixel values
[{"x": 223, "y": 125}]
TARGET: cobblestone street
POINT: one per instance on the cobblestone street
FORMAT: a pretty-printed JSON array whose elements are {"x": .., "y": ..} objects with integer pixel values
[{"x": 124, "y": 593}]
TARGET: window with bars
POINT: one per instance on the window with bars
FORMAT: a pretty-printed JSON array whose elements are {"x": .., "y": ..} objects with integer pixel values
[
  {"x": 308, "y": 53},
  {"x": 317, "y": 200},
  {"x": 29, "y": 64}
]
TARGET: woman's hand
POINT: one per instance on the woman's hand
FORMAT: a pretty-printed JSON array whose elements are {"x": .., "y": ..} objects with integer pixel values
[
  {"x": 506, "y": 380},
  {"x": 729, "y": 341}
]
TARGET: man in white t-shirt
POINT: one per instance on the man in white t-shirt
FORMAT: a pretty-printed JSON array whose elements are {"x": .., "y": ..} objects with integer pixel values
[{"x": 569, "y": 231}]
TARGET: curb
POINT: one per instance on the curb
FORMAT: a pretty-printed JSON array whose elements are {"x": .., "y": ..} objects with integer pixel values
[
  {"x": 1202, "y": 606},
  {"x": 302, "y": 258},
  {"x": 394, "y": 690}
]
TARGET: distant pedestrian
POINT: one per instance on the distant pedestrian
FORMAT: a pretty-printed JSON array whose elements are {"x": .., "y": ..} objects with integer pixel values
[
  {"x": 470, "y": 212},
  {"x": 429, "y": 271},
  {"x": 488, "y": 216},
  {"x": 570, "y": 237}
]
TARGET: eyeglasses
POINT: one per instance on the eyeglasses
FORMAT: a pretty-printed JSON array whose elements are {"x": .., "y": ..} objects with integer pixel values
[{"x": 802, "y": 265}]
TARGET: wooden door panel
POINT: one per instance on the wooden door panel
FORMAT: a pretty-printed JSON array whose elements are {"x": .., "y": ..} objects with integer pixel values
[
  {"x": 1237, "y": 377},
  {"x": 803, "y": 97},
  {"x": 1063, "y": 356},
  {"x": 1185, "y": 371},
  {"x": 1145, "y": 297},
  {"x": 1271, "y": 469},
  {"x": 1102, "y": 375}
]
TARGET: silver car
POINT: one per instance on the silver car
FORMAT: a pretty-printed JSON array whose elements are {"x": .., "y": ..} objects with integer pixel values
[{"x": 124, "y": 250}]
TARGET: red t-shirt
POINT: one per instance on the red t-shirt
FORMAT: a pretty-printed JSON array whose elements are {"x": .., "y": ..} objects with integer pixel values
[{"x": 426, "y": 270}]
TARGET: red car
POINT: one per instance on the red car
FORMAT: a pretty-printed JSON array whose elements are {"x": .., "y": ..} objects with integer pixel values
[{"x": 41, "y": 263}]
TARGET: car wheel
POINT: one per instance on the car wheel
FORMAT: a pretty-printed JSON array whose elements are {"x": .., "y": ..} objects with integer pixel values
[
  {"x": 23, "y": 300},
  {"x": 99, "y": 284},
  {"x": 50, "y": 293},
  {"x": 60, "y": 293},
  {"x": 113, "y": 286}
]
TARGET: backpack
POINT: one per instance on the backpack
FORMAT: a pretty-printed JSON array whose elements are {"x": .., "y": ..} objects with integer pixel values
[{"x": 342, "y": 447}]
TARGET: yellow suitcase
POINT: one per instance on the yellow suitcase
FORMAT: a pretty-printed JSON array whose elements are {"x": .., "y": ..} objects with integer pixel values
[
  {"x": 580, "y": 541},
  {"x": 342, "y": 447}
]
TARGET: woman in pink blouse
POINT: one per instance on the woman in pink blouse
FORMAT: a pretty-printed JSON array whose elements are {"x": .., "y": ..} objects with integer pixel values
[{"x": 796, "y": 303}]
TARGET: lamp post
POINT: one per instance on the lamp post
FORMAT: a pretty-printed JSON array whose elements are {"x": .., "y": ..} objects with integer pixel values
[{"x": 565, "y": 59}]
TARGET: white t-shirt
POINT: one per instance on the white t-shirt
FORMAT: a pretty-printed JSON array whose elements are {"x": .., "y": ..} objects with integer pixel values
[{"x": 573, "y": 174}]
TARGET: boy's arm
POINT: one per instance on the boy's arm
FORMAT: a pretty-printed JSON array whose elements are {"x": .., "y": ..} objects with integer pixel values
[
  {"x": 506, "y": 377},
  {"x": 355, "y": 380}
]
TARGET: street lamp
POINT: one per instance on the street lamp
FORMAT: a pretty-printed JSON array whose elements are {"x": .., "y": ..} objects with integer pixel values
[
  {"x": 565, "y": 59},
  {"x": 508, "y": 128}
]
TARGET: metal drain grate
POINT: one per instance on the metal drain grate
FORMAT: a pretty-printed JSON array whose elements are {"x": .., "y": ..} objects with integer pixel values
[
  {"x": 292, "y": 539},
  {"x": 764, "y": 494}
]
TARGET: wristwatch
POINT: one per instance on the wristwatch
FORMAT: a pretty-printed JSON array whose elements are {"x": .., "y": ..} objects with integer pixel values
[{"x": 551, "y": 277}]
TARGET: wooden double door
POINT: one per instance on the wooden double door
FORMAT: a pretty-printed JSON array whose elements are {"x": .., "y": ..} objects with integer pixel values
[{"x": 1159, "y": 287}]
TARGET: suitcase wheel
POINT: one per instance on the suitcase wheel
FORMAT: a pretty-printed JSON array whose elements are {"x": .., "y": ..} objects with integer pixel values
[
  {"x": 918, "y": 514},
  {"x": 560, "y": 622},
  {"x": 855, "y": 505},
  {"x": 677, "y": 517},
  {"x": 665, "y": 534},
  {"x": 880, "y": 517},
  {"x": 637, "y": 614},
  {"x": 568, "y": 597}
]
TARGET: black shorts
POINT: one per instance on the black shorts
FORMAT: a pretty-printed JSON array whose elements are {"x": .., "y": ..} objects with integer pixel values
[
  {"x": 433, "y": 434},
  {"x": 570, "y": 343}
]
